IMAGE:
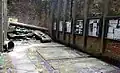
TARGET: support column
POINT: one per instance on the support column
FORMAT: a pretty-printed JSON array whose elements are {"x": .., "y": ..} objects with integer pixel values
[
  {"x": 58, "y": 18},
  {"x": 74, "y": 20},
  {"x": 85, "y": 23},
  {"x": 64, "y": 18},
  {"x": 51, "y": 18},
  {"x": 105, "y": 12},
  {"x": 5, "y": 19},
  {"x": 1, "y": 26}
]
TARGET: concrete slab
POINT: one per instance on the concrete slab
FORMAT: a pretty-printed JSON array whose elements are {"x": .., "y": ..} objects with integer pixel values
[
  {"x": 21, "y": 62},
  {"x": 37, "y": 61},
  {"x": 55, "y": 57},
  {"x": 50, "y": 44},
  {"x": 83, "y": 65},
  {"x": 59, "y": 53}
]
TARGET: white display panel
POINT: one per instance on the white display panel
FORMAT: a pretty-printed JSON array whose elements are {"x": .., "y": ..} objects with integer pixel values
[
  {"x": 79, "y": 27},
  {"x": 114, "y": 29},
  {"x": 93, "y": 27},
  {"x": 54, "y": 26},
  {"x": 60, "y": 25},
  {"x": 68, "y": 27}
]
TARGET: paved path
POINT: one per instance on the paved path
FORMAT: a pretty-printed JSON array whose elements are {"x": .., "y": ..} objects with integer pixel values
[{"x": 35, "y": 57}]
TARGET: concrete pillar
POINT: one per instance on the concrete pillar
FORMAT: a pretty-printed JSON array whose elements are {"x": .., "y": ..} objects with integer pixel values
[
  {"x": 3, "y": 23},
  {"x": 1, "y": 26},
  {"x": 5, "y": 19}
]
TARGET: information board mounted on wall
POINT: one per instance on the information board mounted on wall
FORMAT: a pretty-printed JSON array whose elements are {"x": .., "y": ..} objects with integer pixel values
[
  {"x": 61, "y": 26},
  {"x": 79, "y": 27},
  {"x": 113, "y": 29},
  {"x": 68, "y": 27},
  {"x": 54, "y": 26},
  {"x": 94, "y": 27}
]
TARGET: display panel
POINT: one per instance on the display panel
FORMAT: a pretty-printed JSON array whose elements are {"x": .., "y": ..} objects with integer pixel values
[
  {"x": 60, "y": 25},
  {"x": 54, "y": 26},
  {"x": 94, "y": 27},
  {"x": 79, "y": 27},
  {"x": 114, "y": 29},
  {"x": 68, "y": 27}
]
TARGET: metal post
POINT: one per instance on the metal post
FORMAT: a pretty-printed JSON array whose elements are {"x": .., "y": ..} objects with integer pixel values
[
  {"x": 85, "y": 23},
  {"x": 105, "y": 12}
]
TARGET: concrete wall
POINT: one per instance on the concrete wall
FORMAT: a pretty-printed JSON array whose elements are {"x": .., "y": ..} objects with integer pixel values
[{"x": 97, "y": 46}]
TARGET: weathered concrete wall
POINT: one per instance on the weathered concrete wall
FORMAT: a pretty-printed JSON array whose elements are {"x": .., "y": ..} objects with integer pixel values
[{"x": 27, "y": 11}]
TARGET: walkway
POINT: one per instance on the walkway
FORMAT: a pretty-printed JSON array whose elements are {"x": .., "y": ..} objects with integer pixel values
[{"x": 35, "y": 57}]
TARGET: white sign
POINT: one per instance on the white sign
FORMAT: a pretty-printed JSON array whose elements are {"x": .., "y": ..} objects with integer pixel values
[
  {"x": 68, "y": 26},
  {"x": 54, "y": 26},
  {"x": 93, "y": 27},
  {"x": 61, "y": 26},
  {"x": 114, "y": 29},
  {"x": 117, "y": 34},
  {"x": 79, "y": 27}
]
